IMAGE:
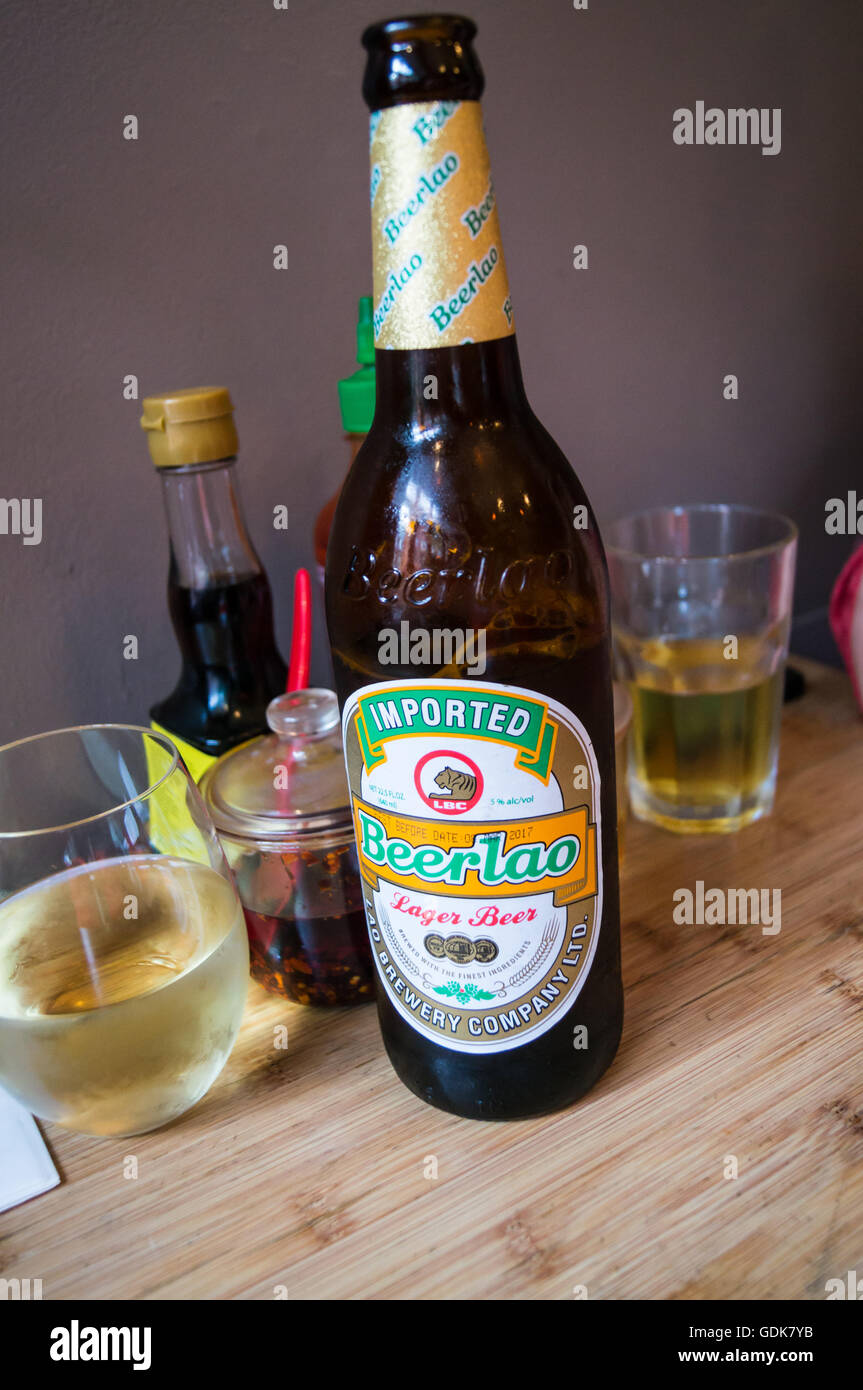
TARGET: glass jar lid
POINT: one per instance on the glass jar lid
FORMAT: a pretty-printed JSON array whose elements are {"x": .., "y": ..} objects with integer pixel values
[{"x": 287, "y": 784}]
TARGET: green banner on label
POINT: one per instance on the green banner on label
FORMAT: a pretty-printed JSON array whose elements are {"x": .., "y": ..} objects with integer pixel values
[{"x": 404, "y": 712}]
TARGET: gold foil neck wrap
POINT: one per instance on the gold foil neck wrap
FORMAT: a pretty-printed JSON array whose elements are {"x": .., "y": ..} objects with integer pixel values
[{"x": 439, "y": 272}]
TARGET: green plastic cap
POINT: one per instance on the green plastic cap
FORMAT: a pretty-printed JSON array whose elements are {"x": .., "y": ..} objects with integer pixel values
[
  {"x": 365, "y": 332},
  {"x": 357, "y": 392}
]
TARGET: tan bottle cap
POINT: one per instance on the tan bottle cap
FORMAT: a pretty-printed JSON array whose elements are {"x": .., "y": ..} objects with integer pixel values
[{"x": 191, "y": 426}]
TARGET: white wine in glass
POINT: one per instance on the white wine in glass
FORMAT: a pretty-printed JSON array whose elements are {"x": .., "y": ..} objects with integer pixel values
[{"x": 123, "y": 977}]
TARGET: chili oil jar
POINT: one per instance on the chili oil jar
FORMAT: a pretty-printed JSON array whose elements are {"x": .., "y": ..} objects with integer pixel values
[{"x": 280, "y": 805}]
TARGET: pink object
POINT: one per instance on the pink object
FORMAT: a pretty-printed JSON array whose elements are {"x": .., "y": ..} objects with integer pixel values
[
  {"x": 846, "y": 618},
  {"x": 301, "y": 642}
]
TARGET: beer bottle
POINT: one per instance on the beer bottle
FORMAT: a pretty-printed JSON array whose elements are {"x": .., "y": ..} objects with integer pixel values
[
  {"x": 468, "y": 616},
  {"x": 218, "y": 594}
]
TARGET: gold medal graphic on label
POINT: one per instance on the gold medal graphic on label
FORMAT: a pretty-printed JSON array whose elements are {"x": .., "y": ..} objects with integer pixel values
[{"x": 459, "y": 949}]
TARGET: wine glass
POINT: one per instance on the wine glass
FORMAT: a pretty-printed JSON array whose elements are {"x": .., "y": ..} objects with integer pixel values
[{"x": 123, "y": 951}]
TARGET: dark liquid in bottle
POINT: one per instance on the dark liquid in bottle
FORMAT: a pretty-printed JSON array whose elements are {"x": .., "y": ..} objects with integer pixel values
[{"x": 231, "y": 666}]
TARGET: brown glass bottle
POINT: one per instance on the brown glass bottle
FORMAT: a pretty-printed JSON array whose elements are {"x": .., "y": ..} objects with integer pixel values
[
  {"x": 219, "y": 596},
  {"x": 462, "y": 516}
]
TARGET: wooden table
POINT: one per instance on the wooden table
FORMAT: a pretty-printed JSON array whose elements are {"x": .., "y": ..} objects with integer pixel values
[{"x": 306, "y": 1168}]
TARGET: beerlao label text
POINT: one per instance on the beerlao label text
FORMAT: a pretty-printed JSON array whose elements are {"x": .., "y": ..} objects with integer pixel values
[
  {"x": 477, "y": 817},
  {"x": 439, "y": 273}
]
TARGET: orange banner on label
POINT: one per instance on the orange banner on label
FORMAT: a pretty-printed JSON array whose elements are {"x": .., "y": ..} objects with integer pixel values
[{"x": 554, "y": 853}]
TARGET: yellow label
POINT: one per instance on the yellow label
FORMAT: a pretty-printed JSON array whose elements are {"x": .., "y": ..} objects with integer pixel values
[
  {"x": 196, "y": 761},
  {"x": 173, "y": 827},
  {"x": 439, "y": 272}
]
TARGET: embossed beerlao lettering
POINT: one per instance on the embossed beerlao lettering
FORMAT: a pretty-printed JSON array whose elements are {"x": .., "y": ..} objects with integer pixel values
[
  {"x": 428, "y": 185},
  {"x": 443, "y": 314},
  {"x": 484, "y": 575}
]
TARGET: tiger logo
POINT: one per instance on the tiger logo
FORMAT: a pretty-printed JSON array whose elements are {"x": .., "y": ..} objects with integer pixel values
[{"x": 457, "y": 783}]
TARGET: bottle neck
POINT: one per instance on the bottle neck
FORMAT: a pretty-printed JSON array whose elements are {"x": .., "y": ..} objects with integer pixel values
[
  {"x": 209, "y": 541},
  {"x": 474, "y": 385},
  {"x": 440, "y": 278}
]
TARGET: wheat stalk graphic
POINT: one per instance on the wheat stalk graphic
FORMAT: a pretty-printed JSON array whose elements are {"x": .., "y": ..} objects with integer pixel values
[
  {"x": 538, "y": 956},
  {"x": 395, "y": 945}
]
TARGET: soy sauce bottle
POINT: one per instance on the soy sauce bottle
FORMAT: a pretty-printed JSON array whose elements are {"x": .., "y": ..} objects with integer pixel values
[
  {"x": 467, "y": 604},
  {"x": 218, "y": 594}
]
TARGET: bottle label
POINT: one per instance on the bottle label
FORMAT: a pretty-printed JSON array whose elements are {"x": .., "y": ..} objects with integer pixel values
[
  {"x": 477, "y": 816},
  {"x": 196, "y": 761},
  {"x": 439, "y": 272},
  {"x": 170, "y": 829}
]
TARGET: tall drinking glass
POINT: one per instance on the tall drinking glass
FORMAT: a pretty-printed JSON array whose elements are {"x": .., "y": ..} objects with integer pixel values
[
  {"x": 123, "y": 951},
  {"x": 701, "y": 606}
]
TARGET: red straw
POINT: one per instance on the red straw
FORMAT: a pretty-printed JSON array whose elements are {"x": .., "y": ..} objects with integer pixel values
[{"x": 301, "y": 639}]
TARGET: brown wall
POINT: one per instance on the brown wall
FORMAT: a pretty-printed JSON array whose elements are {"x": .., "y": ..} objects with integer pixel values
[{"x": 155, "y": 258}]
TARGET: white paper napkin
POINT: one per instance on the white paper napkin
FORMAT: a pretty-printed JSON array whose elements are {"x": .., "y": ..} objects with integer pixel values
[{"x": 26, "y": 1167}]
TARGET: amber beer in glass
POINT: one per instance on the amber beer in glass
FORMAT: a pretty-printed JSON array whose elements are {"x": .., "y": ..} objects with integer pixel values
[
  {"x": 702, "y": 613},
  {"x": 468, "y": 615}
]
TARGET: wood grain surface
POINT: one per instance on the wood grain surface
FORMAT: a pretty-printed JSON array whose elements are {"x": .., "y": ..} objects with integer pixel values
[{"x": 307, "y": 1168}]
